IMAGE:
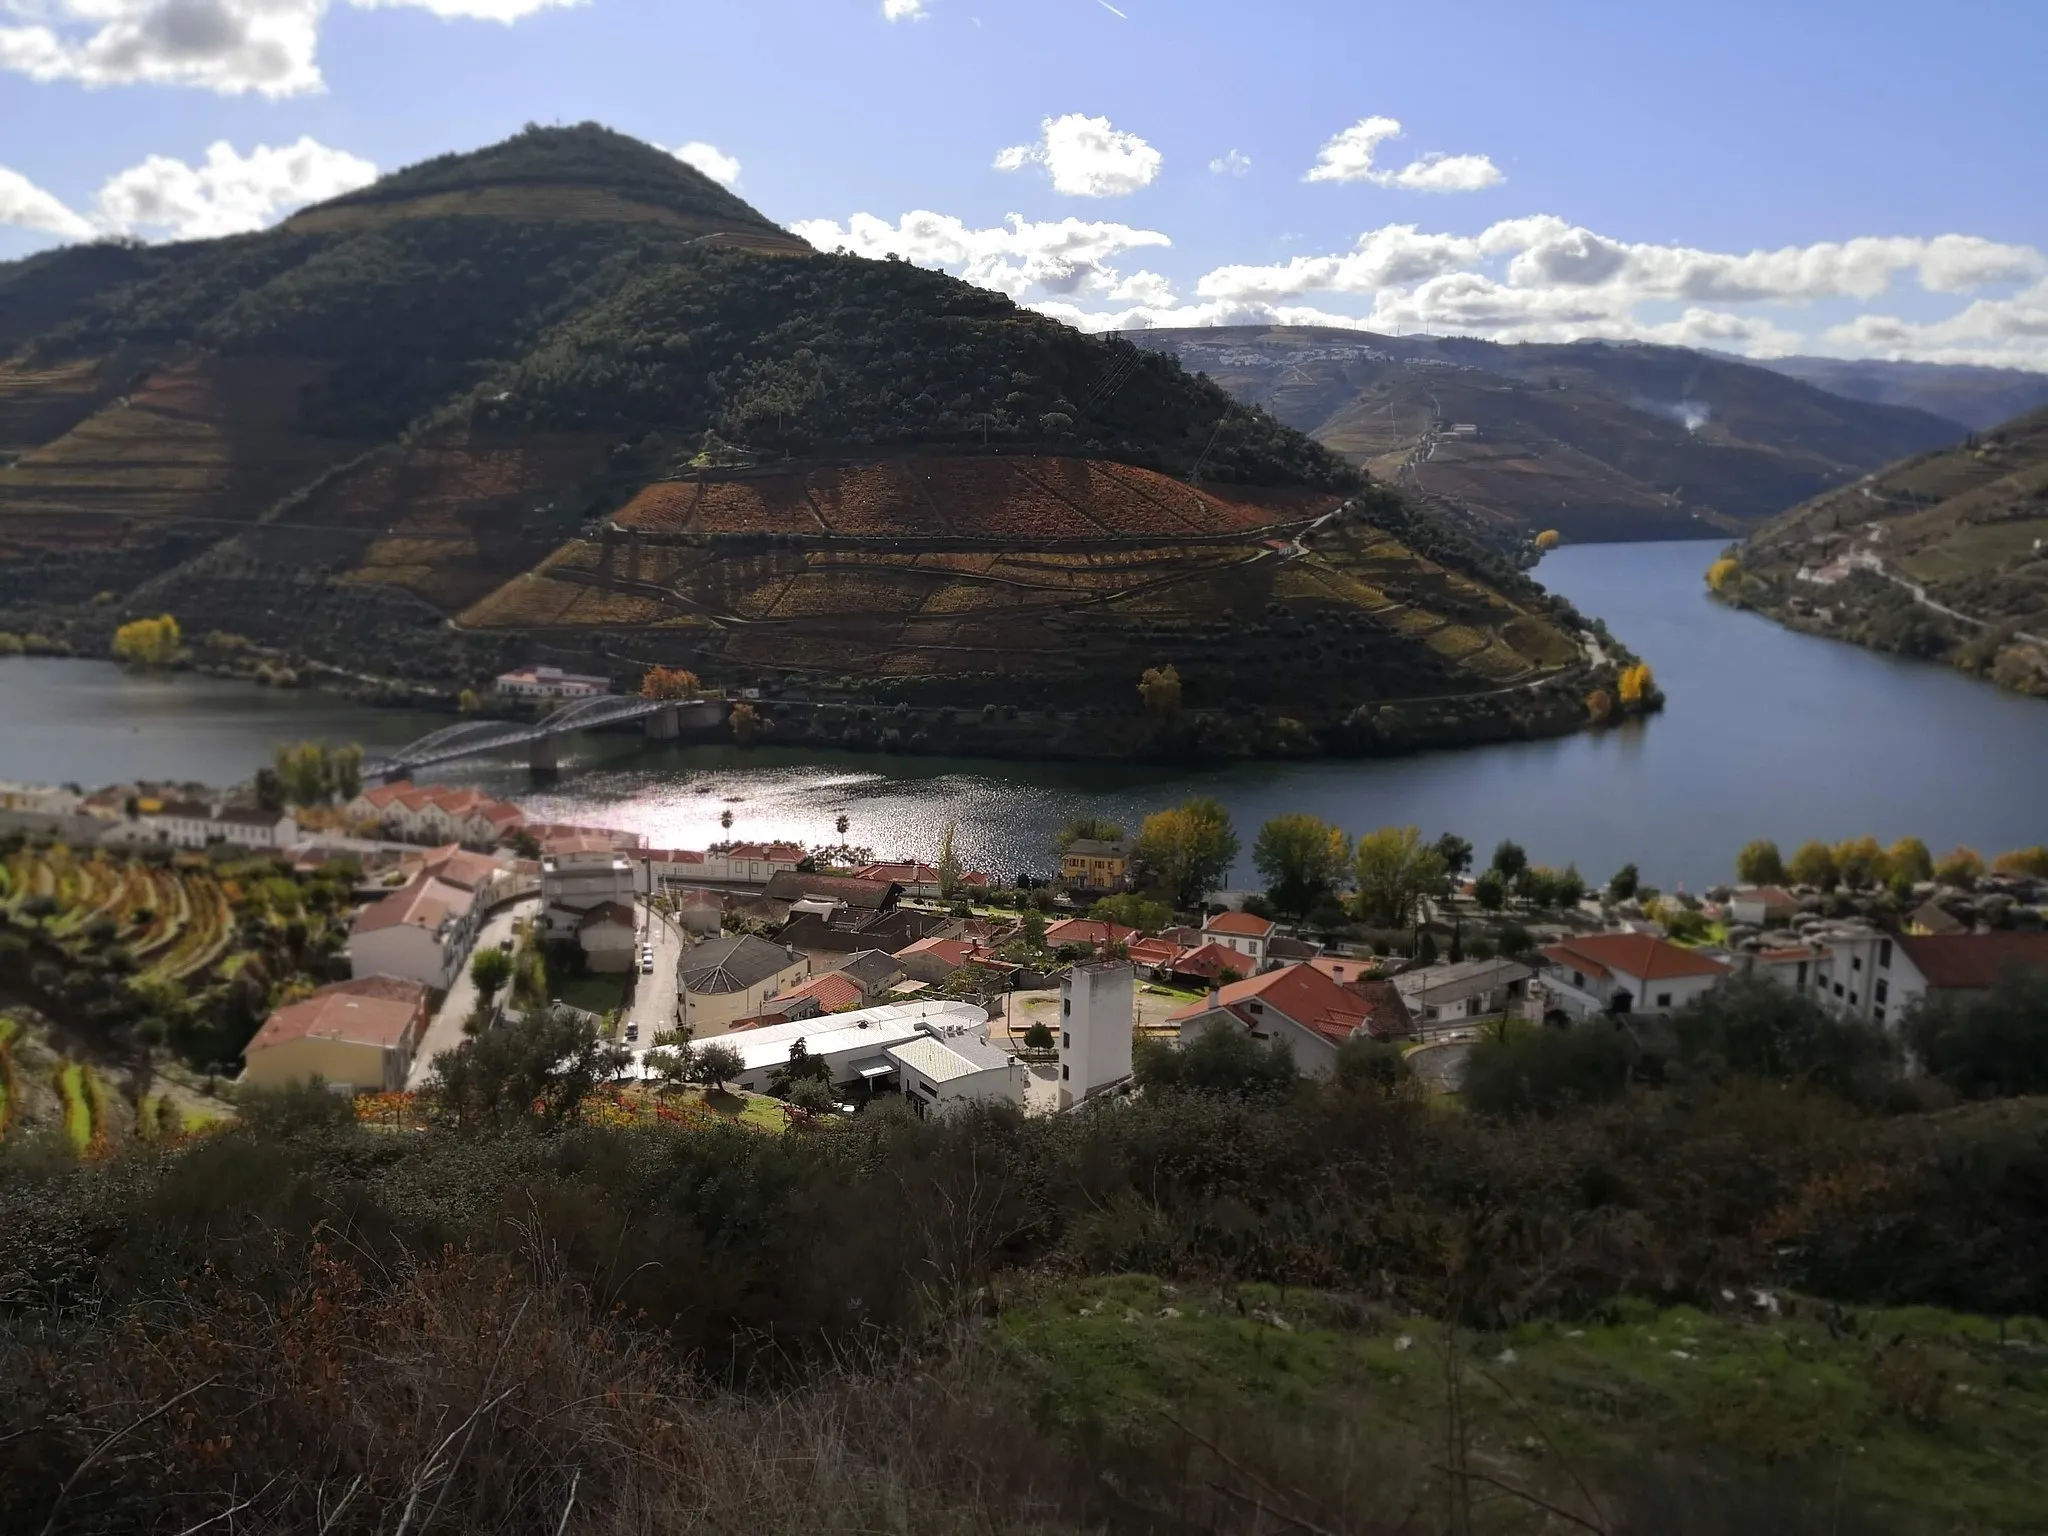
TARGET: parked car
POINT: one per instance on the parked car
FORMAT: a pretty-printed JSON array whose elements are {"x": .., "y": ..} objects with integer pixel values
[{"x": 632, "y": 1030}]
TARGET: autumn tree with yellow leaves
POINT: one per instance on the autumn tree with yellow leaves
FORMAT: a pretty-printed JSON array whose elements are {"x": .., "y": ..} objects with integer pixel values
[{"x": 148, "y": 642}]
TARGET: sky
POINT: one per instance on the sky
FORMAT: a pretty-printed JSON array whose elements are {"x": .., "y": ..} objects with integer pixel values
[{"x": 1858, "y": 179}]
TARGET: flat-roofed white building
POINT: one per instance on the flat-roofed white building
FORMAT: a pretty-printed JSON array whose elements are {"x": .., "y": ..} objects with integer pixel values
[
  {"x": 551, "y": 683},
  {"x": 940, "y": 1075},
  {"x": 854, "y": 1046}
]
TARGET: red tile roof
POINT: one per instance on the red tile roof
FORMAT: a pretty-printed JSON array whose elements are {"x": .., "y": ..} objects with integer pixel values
[
  {"x": 1640, "y": 955},
  {"x": 425, "y": 903},
  {"x": 1971, "y": 962},
  {"x": 1241, "y": 924},
  {"x": 1299, "y": 992},
  {"x": 1087, "y": 930},
  {"x": 1212, "y": 960},
  {"x": 381, "y": 1015},
  {"x": 832, "y": 991},
  {"x": 1153, "y": 952},
  {"x": 1344, "y": 969}
]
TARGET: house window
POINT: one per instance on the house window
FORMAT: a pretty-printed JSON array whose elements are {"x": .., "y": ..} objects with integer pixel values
[
  {"x": 1066, "y": 1040},
  {"x": 1663, "y": 999},
  {"x": 1852, "y": 999},
  {"x": 1838, "y": 989},
  {"x": 1065, "y": 1074},
  {"x": 1884, "y": 954},
  {"x": 1802, "y": 976},
  {"x": 1882, "y": 993},
  {"x": 1578, "y": 978},
  {"x": 1067, "y": 1006},
  {"x": 1855, "y": 962}
]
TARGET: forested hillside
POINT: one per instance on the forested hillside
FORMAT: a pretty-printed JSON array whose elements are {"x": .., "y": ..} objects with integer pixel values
[{"x": 479, "y": 390}]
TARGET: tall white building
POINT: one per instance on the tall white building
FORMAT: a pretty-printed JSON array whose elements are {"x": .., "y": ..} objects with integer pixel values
[{"x": 1098, "y": 1013}]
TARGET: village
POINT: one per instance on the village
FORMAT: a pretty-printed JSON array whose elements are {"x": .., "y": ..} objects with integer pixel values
[{"x": 772, "y": 972}]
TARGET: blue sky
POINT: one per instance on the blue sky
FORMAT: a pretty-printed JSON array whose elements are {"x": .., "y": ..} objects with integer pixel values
[{"x": 1604, "y": 169}]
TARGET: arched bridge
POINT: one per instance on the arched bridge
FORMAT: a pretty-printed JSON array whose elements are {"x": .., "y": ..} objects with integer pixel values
[{"x": 476, "y": 737}]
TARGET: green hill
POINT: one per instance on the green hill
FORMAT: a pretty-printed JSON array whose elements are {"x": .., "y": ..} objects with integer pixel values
[
  {"x": 1944, "y": 555},
  {"x": 1596, "y": 440},
  {"x": 579, "y": 400}
]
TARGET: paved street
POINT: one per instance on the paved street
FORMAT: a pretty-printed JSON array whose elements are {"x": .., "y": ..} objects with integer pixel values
[
  {"x": 652, "y": 1003},
  {"x": 444, "y": 1030}
]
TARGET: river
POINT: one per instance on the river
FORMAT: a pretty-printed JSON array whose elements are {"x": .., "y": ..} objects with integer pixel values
[{"x": 1767, "y": 734}]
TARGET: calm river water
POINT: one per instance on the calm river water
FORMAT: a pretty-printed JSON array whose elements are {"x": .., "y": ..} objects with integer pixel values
[{"x": 1768, "y": 734}]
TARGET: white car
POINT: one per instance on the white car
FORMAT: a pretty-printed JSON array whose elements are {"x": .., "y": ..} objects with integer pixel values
[{"x": 632, "y": 1030}]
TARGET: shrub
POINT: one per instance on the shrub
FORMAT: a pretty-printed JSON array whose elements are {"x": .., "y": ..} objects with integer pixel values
[{"x": 1548, "y": 1071}]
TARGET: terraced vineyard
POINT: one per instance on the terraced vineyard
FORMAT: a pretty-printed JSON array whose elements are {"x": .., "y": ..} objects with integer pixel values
[{"x": 174, "y": 919}]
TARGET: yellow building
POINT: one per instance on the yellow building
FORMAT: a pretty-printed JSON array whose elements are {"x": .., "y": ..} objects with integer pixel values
[
  {"x": 357, "y": 1036},
  {"x": 1096, "y": 865}
]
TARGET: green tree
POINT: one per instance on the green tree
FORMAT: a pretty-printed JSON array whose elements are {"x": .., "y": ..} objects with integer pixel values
[
  {"x": 1758, "y": 1028},
  {"x": 1456, "y": 853},
  {"x": 1626, "y": 882},
  {"x": 1546, "y": 1072},
  {"x": 540, "y": 1069},
  {"x": 1490, "y": 891},
  {"x": 1303, "y": 859},
  {"x": 1033, "y": 925},
  {"x": 1223, "y": 1062},
  {"x": 490, "y": 969},
  {"x": 1987, "y": 1045},
  {"x": 949, "y": 866},
  {"x": 1159, "y": 690},
  {"x": 1961, "y": 867},
  {"x": 1377, "y": 1067},
  {"x": 1129, "y": 909},
  {"x": 1394, "y": 870},
  {"x": 1860, "y": 863},
  {"x": 269, "y": 790},
  {"x": 1509, "y": 861},
  {"x": 348, "y": 772},
  {"x": 801, "y": 1067},
  {"x": 1814, "y": 864},
  {"x": 718, "y": 1065},
  {"x": 1039, "y": 1037},
  {"x": 1189, "y": 849},
  {"x": 1908, "y": 857},
  {"x": 1759, "y": 863}
]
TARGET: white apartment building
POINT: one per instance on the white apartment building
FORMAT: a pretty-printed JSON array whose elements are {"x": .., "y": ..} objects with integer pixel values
[
  {"x": 423, "y": 932},
  {"x": 1098, "y": 1015},
  {"x": 579, "y": 875}
]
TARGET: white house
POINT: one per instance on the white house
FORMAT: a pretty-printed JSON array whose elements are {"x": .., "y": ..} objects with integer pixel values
[
  {"x": 1876, "y": 976},
  {"x": 1466, "y": 989},
  {"x": 200, "y": 824},
  {"x": 1098, "y": 1015},
  {"x": 1617, "y": 973},
  {"x": 940, "y": 1075},
  {"x": 1302, "y": 1008},
  {"x": 609, "y": 935},
  {"x": 422, "y": 931},
  {"x": 1762, "y": 906},
  {"x": 551, "y": 683},
  {"x": 577, "y": 874},
  {"x": 1244, "y": 932}
]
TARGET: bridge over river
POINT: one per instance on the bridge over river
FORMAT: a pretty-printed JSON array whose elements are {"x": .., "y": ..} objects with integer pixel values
[{"x": 662, "y": 718}]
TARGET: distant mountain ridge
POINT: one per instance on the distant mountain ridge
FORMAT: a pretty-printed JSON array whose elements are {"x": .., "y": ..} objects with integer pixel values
[
  {"x": 1598, "y": 440},
  {"x": 1979, "y": 398}
]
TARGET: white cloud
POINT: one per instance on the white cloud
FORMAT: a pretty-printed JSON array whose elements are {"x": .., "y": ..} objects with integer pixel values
[
  {"x": 1066, "y": 256},
  {"x": 904, "y": 10},
  {"x": 1349, "y": 155},
  {"x": 711, "y": 160},
  {"x": 506, "y": 11},
  {"x": 229, "y": 193},
  {"x": 1236, "y": 163},
  {"x": 24, "y": 205},
  {"x": 1087, "y": 157},
  {"x": 229, "y": 46},
  {"x": 233, "y": 47}
]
